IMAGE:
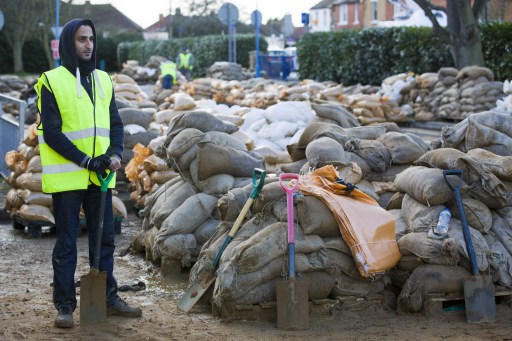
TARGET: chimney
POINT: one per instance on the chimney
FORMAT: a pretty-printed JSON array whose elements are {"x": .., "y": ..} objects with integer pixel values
[
  {"x": 87, "y": 7},
  {"x": 161, "y": 18}
]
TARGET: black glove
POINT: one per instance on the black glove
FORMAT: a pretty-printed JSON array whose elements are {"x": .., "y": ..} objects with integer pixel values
[{"x": 99, "y": 163}]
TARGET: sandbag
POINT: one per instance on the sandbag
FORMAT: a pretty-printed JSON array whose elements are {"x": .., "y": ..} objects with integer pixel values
[
  {"x": 502, "y": 226},
  {"x": 200, "y": 120},
  {"x": 213, "y": 159},
  {"x": 183, "y": 141},
  {"x": 179, "y": 246},
  {"x": 188, "y": 216},
  {"x": 431, "y": 251},
  {"x": 135, "y": 116},
  {"x": 478, "y": 215},
  {"x": 426, "y": 185},
  {"x": 327, "y": 151},
  {"x": 501, "y": 166},
  {"x": 30, "y": 197},
  {"x": 337, "y": 113},
  {"x": 403, "y": 148},
  {"x": 37, "y": 213},
  {"x": 419, "y": 217},
  {"x": 428, "y": 279},
  {"x": 373, "y": 152},
  {"x": 316, "y": 218},
  {"x": 31, "y": 181}
]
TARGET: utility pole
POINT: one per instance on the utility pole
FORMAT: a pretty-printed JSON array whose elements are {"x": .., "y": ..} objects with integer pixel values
[{"x": 170, "y": 19}]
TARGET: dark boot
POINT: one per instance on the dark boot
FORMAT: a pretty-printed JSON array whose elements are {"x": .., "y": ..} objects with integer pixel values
[
  {"x": 121, "y": 308},
  {"x": 64, "y": 318}
]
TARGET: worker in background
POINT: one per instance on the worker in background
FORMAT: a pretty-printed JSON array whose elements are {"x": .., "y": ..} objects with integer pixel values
[
  {"x": 81, "y": 134},
  {"x": 168, "y": 73},
  {"x": 185, "y": 62}
]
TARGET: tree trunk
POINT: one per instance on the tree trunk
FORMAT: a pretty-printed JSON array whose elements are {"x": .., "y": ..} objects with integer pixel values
[
  {"x": 466, "y": 46},
  {"x": 17, "y": 56}
]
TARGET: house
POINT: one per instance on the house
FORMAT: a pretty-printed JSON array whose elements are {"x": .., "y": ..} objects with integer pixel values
[
  {"x": 320, "y": 16},
  {"x": 107, "y": 19},
  {"x": 335, "y": 15}
]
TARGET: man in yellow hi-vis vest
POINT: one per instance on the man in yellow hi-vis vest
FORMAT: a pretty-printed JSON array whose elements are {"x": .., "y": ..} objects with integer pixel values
[
  {"x": 185, "y": 62},
  {"x": 80, "y": 134},
  {"x": 168, "y": 73}
]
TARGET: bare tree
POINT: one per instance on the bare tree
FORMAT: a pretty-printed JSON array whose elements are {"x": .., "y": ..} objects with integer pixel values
[
  {"x": 462, "y": 32},
  {"x": 21, "y": 19},
  {"x": 201, "y": 7}
]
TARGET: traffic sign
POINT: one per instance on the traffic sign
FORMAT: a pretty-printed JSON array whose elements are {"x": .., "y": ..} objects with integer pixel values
[
  {"x": 228, "y": 14},
  {"x": 256, "y": 18},
  {"x": 54, "y": 44},
  {"x": 2, "y": 20},
  {"x": 305, "y": 18},
  {"x": 56, "y": 31}
]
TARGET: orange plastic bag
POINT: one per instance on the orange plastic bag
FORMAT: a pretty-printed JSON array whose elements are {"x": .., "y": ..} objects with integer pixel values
[
  {"x": 367, "y": 228},
  {"x": 135, "y": 165}
]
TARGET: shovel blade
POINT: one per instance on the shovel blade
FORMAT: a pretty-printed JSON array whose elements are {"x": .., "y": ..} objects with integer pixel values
[
  {"x": 292, "y": 305},
  {"x": 93, "y": 301},
  {"x": 194, "y": 293},
  {"x": 479, "y": 299}
]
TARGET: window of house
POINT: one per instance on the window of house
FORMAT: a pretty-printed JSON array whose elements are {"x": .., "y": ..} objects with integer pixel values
[
  {"x": 356, "y": 13},
  {"x": 343, "y": 14},
  {"x": 375, "y": 10}
]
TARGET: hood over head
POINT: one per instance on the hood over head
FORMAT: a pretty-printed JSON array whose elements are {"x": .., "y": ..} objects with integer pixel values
[
  {"x": 68, "y": 57},
  {"x": 67, "y": 52}
]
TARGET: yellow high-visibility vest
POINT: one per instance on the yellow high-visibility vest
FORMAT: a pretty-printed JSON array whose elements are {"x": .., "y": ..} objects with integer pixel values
[
  {"x": 169, "y": 68},
  {"x": 184, "y": 60},
  {"x": 85, "y": 124}
]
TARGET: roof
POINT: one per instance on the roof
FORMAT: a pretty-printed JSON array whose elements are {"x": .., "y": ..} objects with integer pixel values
[
  {"x": 105, "y": 17},
  {"x": 323, "y": 4}
]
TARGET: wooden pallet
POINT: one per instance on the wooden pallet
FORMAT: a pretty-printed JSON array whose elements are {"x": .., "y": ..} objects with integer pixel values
[{"x": 438, "y": 304}]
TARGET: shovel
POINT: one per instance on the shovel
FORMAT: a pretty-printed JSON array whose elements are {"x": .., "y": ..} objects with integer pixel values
[
  {"x": 93, "y": 286},
  {"x": 478, "y": 290},
  {"x": 291, "y": 294},
  {"x": 198, "y": 288}
]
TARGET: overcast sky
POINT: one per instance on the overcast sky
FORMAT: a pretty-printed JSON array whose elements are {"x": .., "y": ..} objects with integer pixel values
[{"x": 146, "y": 12}]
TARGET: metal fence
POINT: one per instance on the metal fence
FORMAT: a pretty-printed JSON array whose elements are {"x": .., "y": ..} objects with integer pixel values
[{"x": 12, "y": 133}]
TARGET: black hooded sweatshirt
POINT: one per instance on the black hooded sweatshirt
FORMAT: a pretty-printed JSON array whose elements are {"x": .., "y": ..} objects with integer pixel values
[{"x": 50, "y": 114}]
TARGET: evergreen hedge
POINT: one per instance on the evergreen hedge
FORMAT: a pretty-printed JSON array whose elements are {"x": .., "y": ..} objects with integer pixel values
[
  {"x": 368, "y": 56},
  {"x": 206, "y": 50}
]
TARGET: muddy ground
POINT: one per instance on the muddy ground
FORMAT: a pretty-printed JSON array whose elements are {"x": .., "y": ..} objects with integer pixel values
[{"x": 26, "y": 311}]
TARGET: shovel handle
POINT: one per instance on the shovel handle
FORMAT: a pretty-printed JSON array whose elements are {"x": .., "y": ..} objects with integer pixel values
[
  {"x": 459, "y": 173},
  {"x": 289, "y": 206},
  {"x": 465, "y": 228},
  {"x": 104, "y": 181},
  {"x": 258, "y": 180}
]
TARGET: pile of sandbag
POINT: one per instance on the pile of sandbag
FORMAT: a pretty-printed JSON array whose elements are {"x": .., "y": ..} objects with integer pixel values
[
  {"x": 257, "y": 256},
  {"x": 140, "y": 74},
  {"x": 422, "y": 194},
  {"x": 25, "y": 200},
  {"x": 504, "y": 106},
  {"x": 146, "y": 172},
  {"x": 487, "y": 130},
  {"x": 369, "y": 156},
  {"x": 452, "y": 94},
  {"x": 126, "y": 89},
  {"x": 227, "y": 71},
  {"x": 181, "y": 215},
  {"x": 12, "y": 85},
  {"x": 272, "y": 129}
]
